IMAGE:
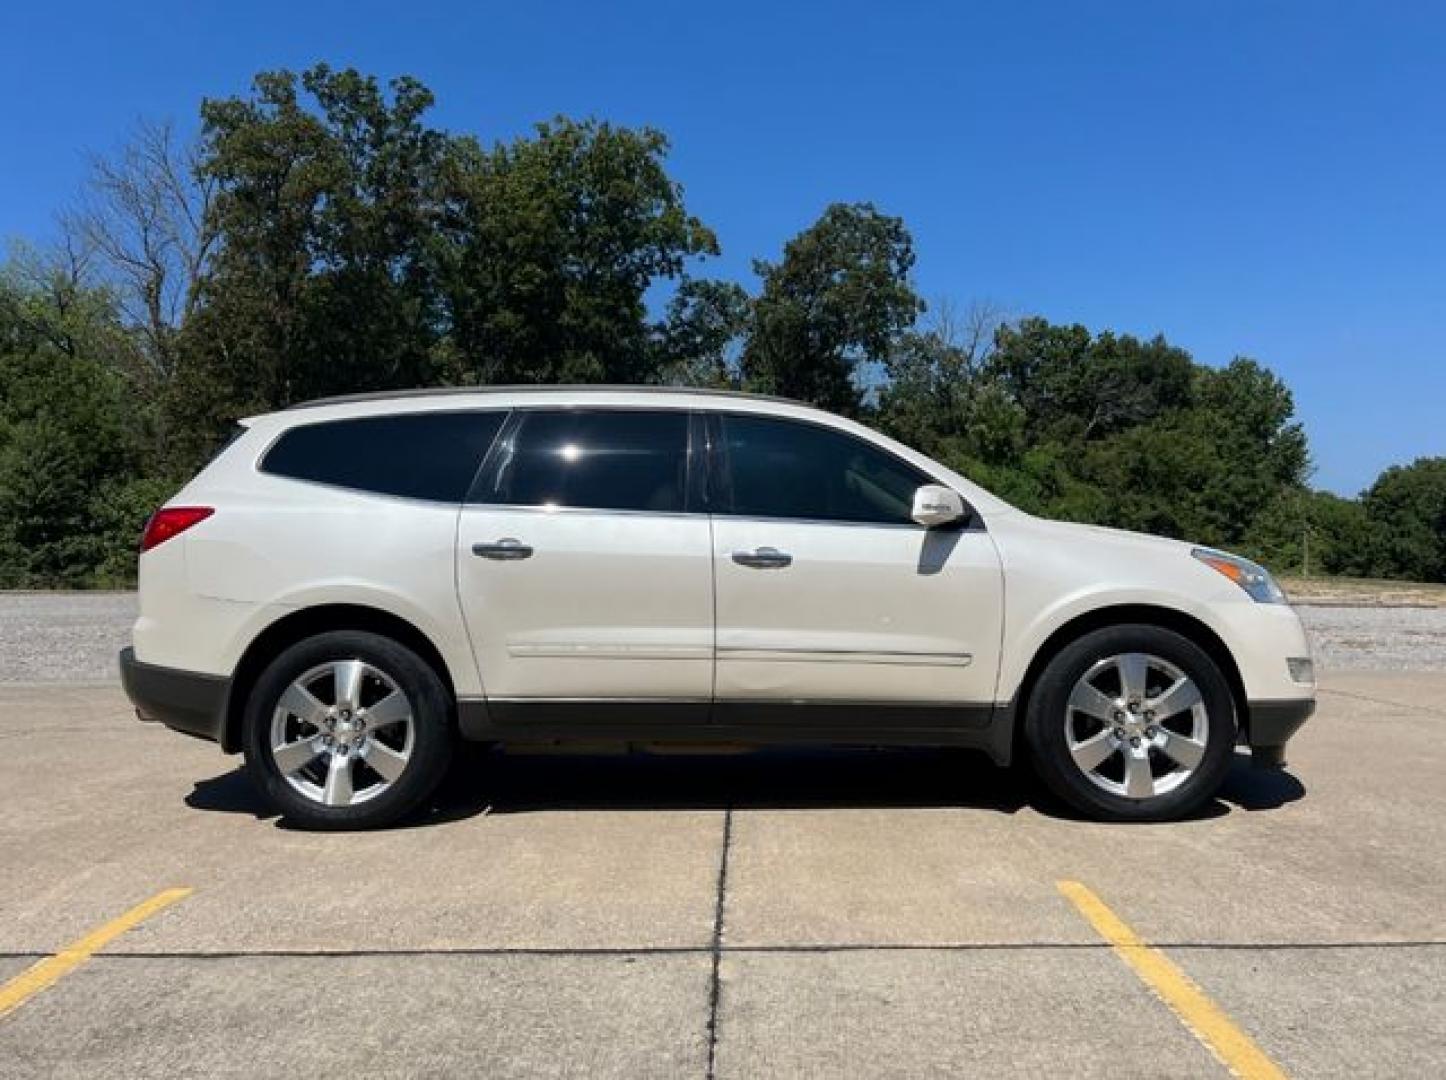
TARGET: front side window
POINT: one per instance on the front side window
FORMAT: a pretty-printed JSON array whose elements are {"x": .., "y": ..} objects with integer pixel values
[
  {"x": 423, "y": 455},
  {"x": 788, "y": 469},
  {"x": 598, "y": 459}
]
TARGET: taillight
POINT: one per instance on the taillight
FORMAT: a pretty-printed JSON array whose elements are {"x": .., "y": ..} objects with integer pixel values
[{"x": 171, "y": 521}]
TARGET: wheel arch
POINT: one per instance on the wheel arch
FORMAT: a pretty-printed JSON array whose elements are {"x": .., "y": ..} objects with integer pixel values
[
  {"x": 308, "y": 622},
  {"x": 1182, "y": 623}
]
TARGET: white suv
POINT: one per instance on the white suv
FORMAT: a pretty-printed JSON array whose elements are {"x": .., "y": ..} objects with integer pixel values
[{"x": 352, "y": 585}]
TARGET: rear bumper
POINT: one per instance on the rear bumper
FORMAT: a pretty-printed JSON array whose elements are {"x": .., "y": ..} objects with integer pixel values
[
  {"x": 184, "y": 701},
  {"x": 1272, "y": 723}
]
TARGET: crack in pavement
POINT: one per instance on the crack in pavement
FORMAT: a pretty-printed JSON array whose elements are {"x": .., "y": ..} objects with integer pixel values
[
  {"x": 1355, "y": 695},
  {"x": 715, "y": 986},
  {"x": 718, "y": 949}
]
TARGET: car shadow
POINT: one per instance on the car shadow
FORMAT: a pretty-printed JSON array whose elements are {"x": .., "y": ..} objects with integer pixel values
[
  {"x": 1250, "y": 788},
  {"x": 1246, "y": 787},
  {"x": 488, "y": 780},
  {"x": 231, "y": 792}
]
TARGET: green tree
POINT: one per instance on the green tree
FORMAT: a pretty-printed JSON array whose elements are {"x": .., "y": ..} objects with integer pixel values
[
  {"x": 1206, "y": 469},
  {"x": 837, "y": 301},
  {"x": 71, "y": 432},
  {"x": 1076, "y": 386},
  {"x": 697, "y": 340},
  {"x": 1104, "y": 428},
  {"x": 553, "y": 244},
  {"x": 937, "y": 393},
  {"x": 1406, "y": 508},
  {"x": 325, "y": 211},
  {"x": 1312, "y": 532}
]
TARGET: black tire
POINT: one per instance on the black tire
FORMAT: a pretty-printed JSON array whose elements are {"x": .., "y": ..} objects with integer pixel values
[
  {"x": 1048, "y": 714},
  {"x": 431, "y": 718}
]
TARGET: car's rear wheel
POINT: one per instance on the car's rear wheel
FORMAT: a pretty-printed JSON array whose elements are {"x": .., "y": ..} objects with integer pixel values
[
  {"x": 1132, "y": 723},
  {"x": 347, "y": 730}
]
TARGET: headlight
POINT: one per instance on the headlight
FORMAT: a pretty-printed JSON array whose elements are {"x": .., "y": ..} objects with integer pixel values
[{"x": 1255, "y": 580}]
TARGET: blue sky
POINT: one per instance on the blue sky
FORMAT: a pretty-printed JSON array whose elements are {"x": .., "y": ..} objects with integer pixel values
[{"x": 1247, "y": 178}]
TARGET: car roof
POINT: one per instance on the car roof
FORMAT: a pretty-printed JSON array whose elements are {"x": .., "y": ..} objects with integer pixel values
[
  {"x": 455, "y": 398},
  {"x": 523, "y": 389}
]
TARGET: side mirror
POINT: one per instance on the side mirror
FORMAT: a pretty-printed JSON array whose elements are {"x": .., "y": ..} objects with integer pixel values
[{"x": 934, "y": 505}]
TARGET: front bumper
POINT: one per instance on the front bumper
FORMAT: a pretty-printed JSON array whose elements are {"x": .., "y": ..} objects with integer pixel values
[
  {"x": 1270, "y": 726},
  {"x": 184, "y": 701}
]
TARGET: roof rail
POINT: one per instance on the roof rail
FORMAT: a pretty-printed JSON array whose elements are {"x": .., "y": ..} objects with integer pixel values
[{"x": 445, "y": 391}]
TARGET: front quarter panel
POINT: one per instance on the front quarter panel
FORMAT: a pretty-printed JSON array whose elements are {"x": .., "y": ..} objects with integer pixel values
[{"x": 1057, "y": 572}]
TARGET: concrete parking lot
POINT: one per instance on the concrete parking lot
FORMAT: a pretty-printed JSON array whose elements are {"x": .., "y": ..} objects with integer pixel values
[{"x": 780, "y": 914}]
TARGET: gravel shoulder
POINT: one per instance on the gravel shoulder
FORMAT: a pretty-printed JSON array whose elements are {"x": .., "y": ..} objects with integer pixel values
[
  {"x": 74, "y": 637},
  {"x": 63, "y": 636},
  {"x": 1352, "y": 638}
]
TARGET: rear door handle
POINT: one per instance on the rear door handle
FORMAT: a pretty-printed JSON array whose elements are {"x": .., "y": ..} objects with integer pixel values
[
  {"x": 764, "y": 558},
  {"x": 505, "y": 550}
]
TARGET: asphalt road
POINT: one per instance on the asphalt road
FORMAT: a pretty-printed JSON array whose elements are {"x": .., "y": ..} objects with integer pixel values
[{"x": 785, "y": 914}]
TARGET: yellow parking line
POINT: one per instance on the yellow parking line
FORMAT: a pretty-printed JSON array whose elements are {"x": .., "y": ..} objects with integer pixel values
[
  {"x": 47, "y": 972},
  {"x": 1206, "y": 1020}
]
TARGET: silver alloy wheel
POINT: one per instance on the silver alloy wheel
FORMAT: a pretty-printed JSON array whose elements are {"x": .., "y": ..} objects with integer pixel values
[
  {"x": 342, "y": 733},
  {"x": 1136, "y": 725}
]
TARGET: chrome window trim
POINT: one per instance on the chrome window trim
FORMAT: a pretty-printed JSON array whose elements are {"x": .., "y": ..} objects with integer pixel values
[
  {"x": 974, "y": 524},
  {"x": 534, "y": 508},
  {"x": 902, "y": 526}
]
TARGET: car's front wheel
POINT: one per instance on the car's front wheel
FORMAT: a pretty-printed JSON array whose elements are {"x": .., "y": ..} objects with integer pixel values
[
  {"x": 347, "y": 730},
  {"x": 1132, "y": 723}
]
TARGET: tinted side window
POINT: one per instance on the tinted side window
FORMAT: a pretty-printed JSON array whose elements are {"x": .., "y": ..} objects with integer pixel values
[
  {"x": 428, "y": 455},
  {"x": 604, "y": 460},
  {"x": 787, "y": 469}
]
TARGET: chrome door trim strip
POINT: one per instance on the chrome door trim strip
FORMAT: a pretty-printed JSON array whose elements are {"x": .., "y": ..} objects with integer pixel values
[
  {"x": 844, "y": 656},
  {"x": 599, "y": 700},
  {"x": 565, "y": 650}
]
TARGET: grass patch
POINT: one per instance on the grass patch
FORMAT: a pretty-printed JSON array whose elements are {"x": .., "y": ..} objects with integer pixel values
[{"x": 1363, "y": 592}]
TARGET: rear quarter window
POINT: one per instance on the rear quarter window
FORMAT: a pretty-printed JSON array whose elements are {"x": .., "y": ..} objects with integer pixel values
[{"x": 427, "y": 455}]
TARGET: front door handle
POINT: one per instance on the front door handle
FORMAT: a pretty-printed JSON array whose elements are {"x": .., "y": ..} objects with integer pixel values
[
  {"x": 764, "y": 558},
  {"x": 505, "y": 550}
]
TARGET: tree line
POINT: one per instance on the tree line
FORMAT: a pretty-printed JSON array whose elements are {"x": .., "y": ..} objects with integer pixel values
[{"x": 319, "y": 236}]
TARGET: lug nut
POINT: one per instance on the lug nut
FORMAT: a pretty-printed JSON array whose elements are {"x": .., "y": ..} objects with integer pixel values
[
  {"x": 1150, "y": 733},
  {"x": 1135, "y": 741}
]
